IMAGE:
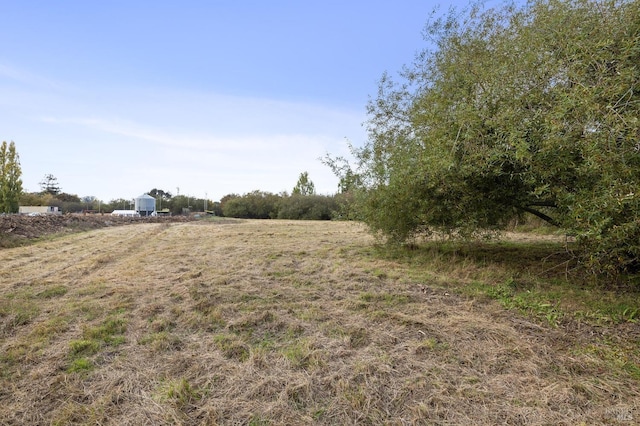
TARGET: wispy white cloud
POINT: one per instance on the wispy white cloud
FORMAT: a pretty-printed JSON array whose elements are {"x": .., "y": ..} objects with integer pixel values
[
  {"x": 185, "y": 141},
  {"x": 201, "y": 142},
  {"x": 28, "y": 78}
]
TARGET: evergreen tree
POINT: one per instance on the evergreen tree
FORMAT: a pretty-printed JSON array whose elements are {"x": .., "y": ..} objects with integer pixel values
[{"x": 49, "y": 184}]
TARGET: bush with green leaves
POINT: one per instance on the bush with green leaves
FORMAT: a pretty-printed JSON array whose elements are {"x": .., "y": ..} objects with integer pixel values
[
  {"x": 307, "y": 207},
  {"x": 253, "y": 205},
  {"x": 531, "y": 109}
]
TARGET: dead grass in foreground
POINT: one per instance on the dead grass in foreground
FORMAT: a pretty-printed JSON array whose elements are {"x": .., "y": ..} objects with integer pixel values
[{"x": 275, "y": 322}]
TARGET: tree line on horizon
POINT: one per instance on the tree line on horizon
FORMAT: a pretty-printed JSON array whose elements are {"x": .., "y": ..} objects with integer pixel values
[{"x": 302, "y": 203}]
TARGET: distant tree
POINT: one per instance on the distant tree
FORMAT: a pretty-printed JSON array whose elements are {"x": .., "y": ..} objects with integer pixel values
[
  {"x": 159, "y": 193},
  {"x": 349, "y": 187},
  {"x": 310, "y": 207},
  {"x": 304, "y": 186},
  {"x": 69, "y": 206},
  {"x": 118, "y": 204},
  {"x": 161, "y": 196},
  {"x": 32, "y": 199},
  {"x": 228, "y": 197},
  {"x": 224, "y": 200},
  {"x": 216, "y": 208},
  {"x": 236, "y": 207},
  {"x": 10, "y": 182},
  {"x": 41, "y": 199},
  {"x": 89, "y": 202},
  {"x": 68, "y": 203},
  {"x": 253, "y": 205},
  {"x": 68, "y": 198},
  {"x": 179, "y": 204},
  {"x": 49, "y": 184}
]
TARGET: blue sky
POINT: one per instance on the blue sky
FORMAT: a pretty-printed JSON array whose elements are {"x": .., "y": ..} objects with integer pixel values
[{"x": 115, "y": 98}]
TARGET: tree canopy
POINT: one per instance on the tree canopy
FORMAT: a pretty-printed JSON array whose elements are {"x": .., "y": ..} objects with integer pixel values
[
  {"x": 10, "y": 181},
  {"x": 515, "y": 110}
]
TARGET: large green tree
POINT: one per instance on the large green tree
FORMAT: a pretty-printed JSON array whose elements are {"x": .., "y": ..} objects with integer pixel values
[
  {"x": 530, "y": 109},
  {"x": 10, "y": 181}
]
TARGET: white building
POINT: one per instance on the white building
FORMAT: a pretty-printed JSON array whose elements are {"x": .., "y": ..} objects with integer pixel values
[
  {"x": 38, "y": 210},
  {"x": 126, "y": 213}
]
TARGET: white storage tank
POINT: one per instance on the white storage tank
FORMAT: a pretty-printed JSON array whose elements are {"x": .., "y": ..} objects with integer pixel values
[{"x": 145, "y": 205}]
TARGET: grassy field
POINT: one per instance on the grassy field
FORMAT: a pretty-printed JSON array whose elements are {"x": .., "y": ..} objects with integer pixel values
[{"x": 277, "y": 322}]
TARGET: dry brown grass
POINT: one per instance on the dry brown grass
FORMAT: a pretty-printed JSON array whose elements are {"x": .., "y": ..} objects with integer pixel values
[{"x": 275, "y": 322}]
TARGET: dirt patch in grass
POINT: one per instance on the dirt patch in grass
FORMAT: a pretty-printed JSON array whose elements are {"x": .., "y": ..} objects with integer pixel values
[{"x": 278, "y": 322}]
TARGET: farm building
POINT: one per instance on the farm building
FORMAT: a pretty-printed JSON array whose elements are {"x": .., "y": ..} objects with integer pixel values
[{"x": 38, "y": 210}]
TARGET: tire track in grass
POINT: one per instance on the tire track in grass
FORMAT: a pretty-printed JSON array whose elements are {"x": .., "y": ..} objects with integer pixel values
[{"x": 72, "y": 257}]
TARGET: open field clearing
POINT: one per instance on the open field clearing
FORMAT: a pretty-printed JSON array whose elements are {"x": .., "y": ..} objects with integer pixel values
[{"x": 277, "y": 322}]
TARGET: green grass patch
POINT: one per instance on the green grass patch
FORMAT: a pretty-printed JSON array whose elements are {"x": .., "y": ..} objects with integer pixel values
[
  {"x": 265, "y": 342},
  {"x": 80, "y": 365},
  {"x": 108, "y": 334},
  {"x": 93, "y": 288},
  {"x": 89, "y": 310},
  {"x": 18, "y": 312},
  {"x": 11, "y": 359},
  {"x": 607, "y": 307},
  {"x": 624, "y": 360},
  {"x": 430, "y": 345},
  {"x": 301, "y": 354},
  {"x": 179, "y": 392},
  {"x": 51, "y": 292},
  {"x": 161, "y": 341},
  {"x": 539, "y": 279},
  {"x": 311, "y": 313},
  {"x": 378, "y": 303},
  {"x": 258, "y": 420},
  {"x": 281, "y": 273},
  {"x": 539, "y": 304},
  {"x": 51, "y": 327},
  {"x": 333, "y": 329},
  {"x": 84, "y": 347},
  {"x": 379, "y": 273},
  {"x": 231, "y": 347},
  {"x": 251, "y": 322}
]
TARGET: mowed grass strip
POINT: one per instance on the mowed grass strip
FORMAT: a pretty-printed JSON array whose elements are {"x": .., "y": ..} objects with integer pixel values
[{"x": 279, "y": 322}]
